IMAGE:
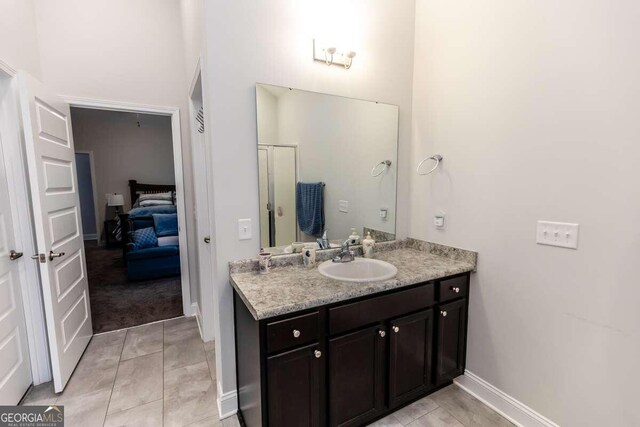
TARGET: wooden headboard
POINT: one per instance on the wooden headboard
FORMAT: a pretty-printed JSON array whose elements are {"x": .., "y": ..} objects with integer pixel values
[{"x": 135, "y": 189}]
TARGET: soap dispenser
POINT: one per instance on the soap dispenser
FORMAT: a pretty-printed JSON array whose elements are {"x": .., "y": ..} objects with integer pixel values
[
  {"x": 354, "y": 239},
  {"x": 367, "y": 246}
]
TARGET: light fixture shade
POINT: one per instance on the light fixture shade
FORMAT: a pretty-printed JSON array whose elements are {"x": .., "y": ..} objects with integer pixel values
[{"x": 114, "y": 199}]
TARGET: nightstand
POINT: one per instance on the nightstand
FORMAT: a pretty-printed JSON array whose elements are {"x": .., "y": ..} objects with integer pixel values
[{"x": 109, "y": 235}]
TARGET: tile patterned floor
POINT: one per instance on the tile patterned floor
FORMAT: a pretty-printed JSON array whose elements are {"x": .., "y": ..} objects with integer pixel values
[
  {"x": 449, "y": 407},
  {"x": 161, "y": 374}
]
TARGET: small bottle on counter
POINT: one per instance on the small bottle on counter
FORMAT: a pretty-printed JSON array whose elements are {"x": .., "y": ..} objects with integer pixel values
[
  {"x": 354, "y": 239},
  {"x": 309, "y": 255},
  {"x": 264, "y": 261},
  {"x": 367, "y": 246}
]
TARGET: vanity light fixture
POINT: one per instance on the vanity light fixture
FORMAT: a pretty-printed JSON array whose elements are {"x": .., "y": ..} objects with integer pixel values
[{"x": 330, "y": 55}]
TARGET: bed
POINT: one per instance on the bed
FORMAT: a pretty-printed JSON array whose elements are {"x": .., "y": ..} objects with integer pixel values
[
  {"x": 142, "y": 216},
  {"x": 150, "y": 262}
]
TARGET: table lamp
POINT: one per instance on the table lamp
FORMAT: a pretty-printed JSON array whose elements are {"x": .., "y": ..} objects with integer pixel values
[{"x": 116, "y": 200}]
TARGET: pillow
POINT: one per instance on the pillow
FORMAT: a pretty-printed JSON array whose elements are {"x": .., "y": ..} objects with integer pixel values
[
  {"x": 165, "y": 224},
  {"x": 144, "y": 238},
  {"x": 153, "y": 202},
  {"x": 156, "y": 196},
  {"x": 169, "y": 241}
]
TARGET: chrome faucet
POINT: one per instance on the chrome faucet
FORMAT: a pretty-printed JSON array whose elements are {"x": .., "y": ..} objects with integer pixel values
[
  {"x": 323, "y": 242},
  {"x": 345, "y": 255}
]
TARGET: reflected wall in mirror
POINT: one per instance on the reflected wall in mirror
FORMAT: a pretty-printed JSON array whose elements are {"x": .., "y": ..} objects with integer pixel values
[{"x": 327, "y": 165}]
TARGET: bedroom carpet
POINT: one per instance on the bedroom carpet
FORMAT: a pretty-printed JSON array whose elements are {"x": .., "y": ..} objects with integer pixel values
[{"x": 117, "y": 303}]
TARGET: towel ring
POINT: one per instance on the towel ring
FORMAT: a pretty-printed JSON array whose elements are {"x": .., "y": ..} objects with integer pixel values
[
  {"x": 386, "y": 164},
  {"x": 436, "y": 157}
]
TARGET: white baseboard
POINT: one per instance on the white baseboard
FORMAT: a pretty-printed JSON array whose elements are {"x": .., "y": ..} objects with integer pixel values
[
  {"x": 195, "y": 309},
  {"x": 510, "y": 408},
  {"x": 90, "y": 237},
  {"x": 227, "y": 402}
]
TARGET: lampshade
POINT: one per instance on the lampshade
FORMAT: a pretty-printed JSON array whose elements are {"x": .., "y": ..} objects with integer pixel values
[{"x": 114, "y": 199}]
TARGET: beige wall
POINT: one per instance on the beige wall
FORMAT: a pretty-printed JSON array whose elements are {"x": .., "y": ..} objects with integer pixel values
[
  {"x": 270, "y": 41},
  {"x": 124, "y": 151},
  {"x": 534, "y": 106},
  {"x": 18, "y": 36},
  {"x": 192, "y": 33}
]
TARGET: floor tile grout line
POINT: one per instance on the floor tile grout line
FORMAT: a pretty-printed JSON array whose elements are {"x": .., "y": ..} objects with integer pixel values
[{"x": 113, "y": 384}]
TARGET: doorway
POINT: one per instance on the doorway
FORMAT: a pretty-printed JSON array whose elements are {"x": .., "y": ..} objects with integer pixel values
[
  {"x": 133, "y": 250},
  {"x": 277, "y": 181},
  {"x": 85, "y": 167}
]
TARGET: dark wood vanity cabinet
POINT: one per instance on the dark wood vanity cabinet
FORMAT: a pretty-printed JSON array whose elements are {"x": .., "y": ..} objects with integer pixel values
[
  {"x": 451, "y": 341},
  {"x": 410, "y": 357},
  {"x": 357, "y": 376},
  {"x": 295, "y": 382},
  {"x": 349, "y": 363}
]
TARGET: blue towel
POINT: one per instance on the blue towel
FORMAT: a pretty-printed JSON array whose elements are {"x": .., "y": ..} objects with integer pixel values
[{"x": 310, "y": 207}]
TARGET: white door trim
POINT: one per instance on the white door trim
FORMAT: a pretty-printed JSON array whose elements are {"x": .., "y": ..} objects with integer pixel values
[
  {"x": 94, "y": 191},
  {"x": 174, "y": 113},
  {"x": 198, "y": 160},
  {"x": 6, "y": 70},
  {"x": 17, "y": 177}
]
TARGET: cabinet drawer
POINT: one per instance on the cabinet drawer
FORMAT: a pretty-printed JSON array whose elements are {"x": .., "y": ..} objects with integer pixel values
[
  {"x": 351, "y": 316},
  {"x": 292, "y": 332},
  {"x": 453, "y": 288}
]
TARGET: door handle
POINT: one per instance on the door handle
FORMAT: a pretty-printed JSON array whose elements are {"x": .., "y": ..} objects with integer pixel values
[
  {"x": 207, "y": 239},
  {"x": 13, "y": 255},
  {"x": 53, "y": 255},
  {"x": 42, "y": 258}
]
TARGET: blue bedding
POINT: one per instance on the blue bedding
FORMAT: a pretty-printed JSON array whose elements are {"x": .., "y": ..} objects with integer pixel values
[{"x": 150, "y": 210}]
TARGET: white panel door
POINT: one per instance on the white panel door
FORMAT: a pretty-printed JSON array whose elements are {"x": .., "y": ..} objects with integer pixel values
[
  {"x": 56, "y": 210},
  {"x": 15, "y": 368},
  {"x": 284, "y": 194},
  {"x": 263, "y": 180}
]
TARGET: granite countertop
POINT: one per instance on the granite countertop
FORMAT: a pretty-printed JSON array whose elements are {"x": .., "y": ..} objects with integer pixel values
[{"x": 290, "y": 287}]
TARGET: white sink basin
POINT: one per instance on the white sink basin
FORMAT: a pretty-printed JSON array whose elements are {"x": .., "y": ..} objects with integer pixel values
[
  {"x": 289, "y": 249},
  {"x": 358, "y": 270}
]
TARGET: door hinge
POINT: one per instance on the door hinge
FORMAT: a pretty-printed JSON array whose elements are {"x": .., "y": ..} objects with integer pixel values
[{"x": 42, "y": 258}]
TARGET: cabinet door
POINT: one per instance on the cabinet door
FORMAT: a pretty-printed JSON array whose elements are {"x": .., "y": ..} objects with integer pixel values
[
  {"x": 295, "y": 383},
  {"x": 452, "y": 322},
  {"x": 356, "y": 376},
  {"x": 410, "y": 351}
]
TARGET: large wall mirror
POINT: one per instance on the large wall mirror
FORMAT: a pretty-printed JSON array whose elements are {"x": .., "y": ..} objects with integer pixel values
[{"x": 327, "y": 165}]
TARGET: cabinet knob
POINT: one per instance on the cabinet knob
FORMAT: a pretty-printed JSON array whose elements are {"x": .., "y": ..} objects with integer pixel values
[
  {"x": 444, "y": 313},
  {"x": 296, "y": 333},
  {"x": 396, "y": 329},
  {"x": 456, "y": 290},
  {"x": 382, "y": 333},
  {"x": 318, "y": 354}
]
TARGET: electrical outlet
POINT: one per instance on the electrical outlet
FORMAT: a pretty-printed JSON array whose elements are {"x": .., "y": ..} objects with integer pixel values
[
  {"x": 562, "y": 234},
  {"x": 244, "y": 229},
  {"x": 343, "y": 206}
]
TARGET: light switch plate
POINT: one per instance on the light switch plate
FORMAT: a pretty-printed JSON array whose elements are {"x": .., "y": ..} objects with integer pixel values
[
  {"x": 562, "y": 234},
  {"x": 244, "y": 229},
  {"x": 343, "y": 206}
]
